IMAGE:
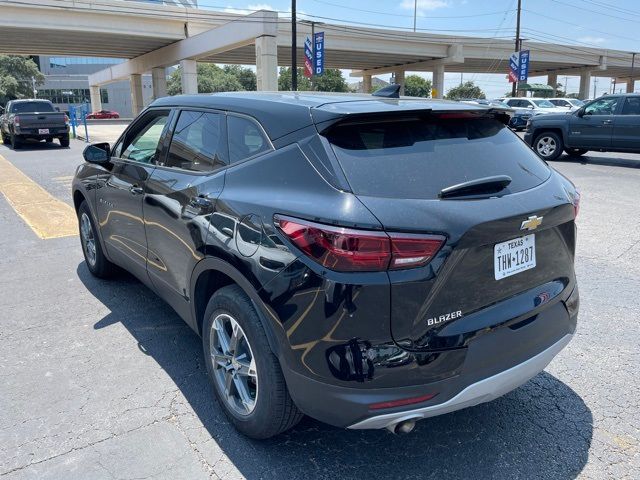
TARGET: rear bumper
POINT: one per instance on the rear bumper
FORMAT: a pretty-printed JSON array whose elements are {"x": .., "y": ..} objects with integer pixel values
[
  {"x": 528, "y": 138},
  {"x": 492, "y": 364},
  {"x": 480, "y": 392}
]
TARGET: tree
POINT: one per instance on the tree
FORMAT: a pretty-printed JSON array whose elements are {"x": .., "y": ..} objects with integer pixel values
[
  {"x": 466, "y": 90},
  {"x": 284, "y": 80},
  {"x": 330, "y": 81},
  {"x": 211, "y": 78},
  {"x": 416, "y": 86},
  {"x": 245, "y": 76},
  {"x": 16, "y": 77}
]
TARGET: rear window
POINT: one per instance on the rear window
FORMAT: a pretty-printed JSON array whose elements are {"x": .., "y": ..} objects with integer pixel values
[
  {"x": 417, "y": 158},
  {"x": 26, "y": 107}
]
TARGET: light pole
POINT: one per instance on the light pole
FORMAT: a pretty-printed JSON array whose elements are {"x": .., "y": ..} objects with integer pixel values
[
  {"x": 633, "y": 64},
  {"x": 514, "y": 85},
  {"x": 294, "y": 48},
  {"x": 415, "y": 14}
]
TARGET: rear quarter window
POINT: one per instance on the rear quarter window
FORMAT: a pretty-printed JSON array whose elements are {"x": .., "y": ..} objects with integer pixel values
[{"x": 417, "y": 158}]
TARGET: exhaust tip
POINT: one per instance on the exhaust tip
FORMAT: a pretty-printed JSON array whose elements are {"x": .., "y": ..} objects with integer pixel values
[{"x": 402, "y": 428}]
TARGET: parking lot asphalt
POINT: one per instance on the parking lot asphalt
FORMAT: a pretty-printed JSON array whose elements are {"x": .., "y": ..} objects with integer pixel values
[{"x": 101, "y": 379}]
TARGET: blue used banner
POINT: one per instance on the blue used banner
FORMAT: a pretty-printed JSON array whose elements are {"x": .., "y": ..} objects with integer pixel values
[{"x": 318, "y": 53}]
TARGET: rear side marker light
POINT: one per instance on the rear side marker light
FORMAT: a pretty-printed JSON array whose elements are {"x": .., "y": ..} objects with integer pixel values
[
  {"x": 576, "y": 202},
  {"x": 402, "y": 402},
  {"x": 352, "y": 250}
]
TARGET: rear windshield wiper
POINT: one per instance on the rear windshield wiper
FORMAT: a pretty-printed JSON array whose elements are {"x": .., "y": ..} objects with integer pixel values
[{"x": 479, "y": 186}]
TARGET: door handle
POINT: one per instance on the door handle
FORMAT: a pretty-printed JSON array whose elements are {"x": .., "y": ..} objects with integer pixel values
[
  {"x": 607, "y": 122},
  {"x": 136, "y": 190}
]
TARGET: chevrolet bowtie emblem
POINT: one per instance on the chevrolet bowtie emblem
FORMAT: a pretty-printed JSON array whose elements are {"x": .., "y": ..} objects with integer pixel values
[{"x": 531, "y": 223}]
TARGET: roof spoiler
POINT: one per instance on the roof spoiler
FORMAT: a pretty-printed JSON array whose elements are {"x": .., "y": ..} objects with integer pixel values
[{"x": 390, "y": 91}]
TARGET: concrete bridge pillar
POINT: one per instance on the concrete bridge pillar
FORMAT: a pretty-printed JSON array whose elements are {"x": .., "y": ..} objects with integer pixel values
[
  {"x": 585, "y": 84},
  {"x": 399, "y": 76},
  {"x": 189, "y": 76},
  {"x": 96, "y": 100},
  {"x": 267, "y": 63},
  {"x": 630, "y": 86},
  {"x": 135, "y": 80},
  {"x": 159, "y": 81},
  {"x": 552, "y": 80},
  {"x": 366, "y": 83},
  {"x": 437, "y": 90}
]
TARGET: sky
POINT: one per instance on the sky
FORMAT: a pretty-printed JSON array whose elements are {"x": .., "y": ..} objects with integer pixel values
[{"x": 596, "y": 23}]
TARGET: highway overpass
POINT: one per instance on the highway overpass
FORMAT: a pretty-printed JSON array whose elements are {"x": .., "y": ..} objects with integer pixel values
[{"x": 154, "y": 36}]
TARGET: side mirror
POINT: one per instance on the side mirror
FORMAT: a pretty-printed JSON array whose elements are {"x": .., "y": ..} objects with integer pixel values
[
  {"x": 99, "y": 153},
  {"x": 580, "y": 112},
  {"x": 57, "y": 109},
  {"x": 530, "y": 107}
]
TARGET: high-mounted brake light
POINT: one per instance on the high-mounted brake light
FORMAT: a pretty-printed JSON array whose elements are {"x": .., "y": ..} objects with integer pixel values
[{"x": 353, "y": 250}]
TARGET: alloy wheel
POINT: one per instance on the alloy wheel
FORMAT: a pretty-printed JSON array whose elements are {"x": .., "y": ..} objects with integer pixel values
[
  {"x": 234, "y": 367},
  {"x": 88, "y": 239},
  {"x": 546, "y": 146}
]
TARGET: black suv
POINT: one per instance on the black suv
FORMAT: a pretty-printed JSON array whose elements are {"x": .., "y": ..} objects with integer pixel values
[
  {"x": 366, "y": 261},
  {"x": 608, "y": 124}
]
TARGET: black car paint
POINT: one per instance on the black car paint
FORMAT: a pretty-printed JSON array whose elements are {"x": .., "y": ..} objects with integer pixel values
[{"x": 336, "y": 334}]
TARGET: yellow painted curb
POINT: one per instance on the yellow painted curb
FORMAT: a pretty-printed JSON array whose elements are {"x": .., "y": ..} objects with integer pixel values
[{"x": 47, "y": 216}]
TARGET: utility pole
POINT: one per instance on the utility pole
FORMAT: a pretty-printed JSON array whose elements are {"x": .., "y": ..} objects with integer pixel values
[
  {"x": 566, "y": 79},
  {"x": 415, "y": 14},
  {"x": 294, "y": 48},
  {"x": 633, "y": 64},
  {"x": 514, "y": 85},
  {"x": 595, "y": 84}
]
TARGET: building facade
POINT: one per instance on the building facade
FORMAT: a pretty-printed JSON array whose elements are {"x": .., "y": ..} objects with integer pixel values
[{"x": 66, "y": 83}]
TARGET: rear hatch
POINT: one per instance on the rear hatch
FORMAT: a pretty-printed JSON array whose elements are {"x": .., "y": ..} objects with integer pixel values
[{"x": 509, "y": 250}]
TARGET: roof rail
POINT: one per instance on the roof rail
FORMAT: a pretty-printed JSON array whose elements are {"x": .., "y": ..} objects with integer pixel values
[{"x": 390, "y": 91}]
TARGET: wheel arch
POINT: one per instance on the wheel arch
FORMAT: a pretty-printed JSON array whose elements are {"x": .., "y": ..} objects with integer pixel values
[{"x": 210, "y": 275}]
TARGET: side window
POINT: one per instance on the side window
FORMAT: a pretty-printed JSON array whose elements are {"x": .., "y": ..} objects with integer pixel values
[
  {"x": 631, "y": 106},
  {"x": 246, "y": 138},
  {"x": 142, "y": 142},
  {"x": 197, "y": 142},
  {"x": 513, "y": 103},
  {"x": 603, "y": 106}
]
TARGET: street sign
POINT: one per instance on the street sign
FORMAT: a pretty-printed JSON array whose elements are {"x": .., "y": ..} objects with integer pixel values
[
  {"x": 308, "y": 58},
  {"x": 523, "y": 66},
  {"x": 514, "y": 61},
  {"x": 318, "y": 53}
]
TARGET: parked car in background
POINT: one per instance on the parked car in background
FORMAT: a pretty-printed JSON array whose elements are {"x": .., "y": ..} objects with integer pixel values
[
  {"x": 537, "y": 105},
  {"x": 570, "y": 103},
  {"x": 607, "y": 124},
  {"x": 33, "y": 120},
  {"x": 103, "y": 114},
  {"x": 519, "y": 116},
  {"x": 368, "y": 263}
]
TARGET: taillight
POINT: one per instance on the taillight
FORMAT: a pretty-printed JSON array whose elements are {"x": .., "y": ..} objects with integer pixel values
[
  {"x": 66, "y": 120},
  {"x": 352, "y": 250},
  {"x": 16, "y": 121}
]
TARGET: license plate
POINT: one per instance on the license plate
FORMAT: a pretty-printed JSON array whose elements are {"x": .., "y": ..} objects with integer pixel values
[
  {"x": 43, "y": 131},
  {"x": 514, "y": 256}
]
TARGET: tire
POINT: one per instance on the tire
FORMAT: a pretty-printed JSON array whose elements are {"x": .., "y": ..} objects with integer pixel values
[
  {"x": 548, "y": 145},
  {"x": 575, "y": 152},
  {"x": 64, "y": 142},
  {"x": 269, "y": 409},
  {"x": 94, "y": 256},
  {"x": 15, "y": 141}
]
